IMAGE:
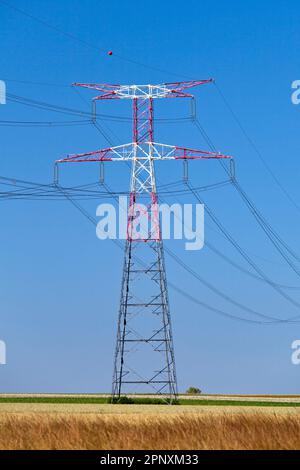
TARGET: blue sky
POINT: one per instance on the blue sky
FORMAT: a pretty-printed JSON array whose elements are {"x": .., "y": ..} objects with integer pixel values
[{"x": 59, "y": 285}]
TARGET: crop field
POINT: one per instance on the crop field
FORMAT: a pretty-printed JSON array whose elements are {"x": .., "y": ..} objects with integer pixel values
[
  {"x": 196, "y": 429},
  {"x": 80, "y": 422}
]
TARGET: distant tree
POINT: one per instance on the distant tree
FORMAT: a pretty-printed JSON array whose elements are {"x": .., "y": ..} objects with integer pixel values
[{"x": 193, "y": 391}]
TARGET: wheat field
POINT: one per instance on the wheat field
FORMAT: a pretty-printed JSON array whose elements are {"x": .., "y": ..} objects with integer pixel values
[{"x": 216, "y": 429}]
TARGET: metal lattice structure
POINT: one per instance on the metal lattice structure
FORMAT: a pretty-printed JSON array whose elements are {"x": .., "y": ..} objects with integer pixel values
[{"x": 144, "y": 322}]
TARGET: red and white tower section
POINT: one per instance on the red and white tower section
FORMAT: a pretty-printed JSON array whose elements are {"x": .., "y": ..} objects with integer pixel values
[{"x": 144, "y": 360}]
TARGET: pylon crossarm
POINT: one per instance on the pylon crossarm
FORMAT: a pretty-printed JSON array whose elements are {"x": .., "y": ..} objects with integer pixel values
[
  {"x": 120, "y": 152},
  {"x": 164, "y": 90},
  {"x": 135, "y": 151},
  {"x": 108, "y": 90},
  {"x": 173, "y": 152},
  {"x": 179, "y": 86}
]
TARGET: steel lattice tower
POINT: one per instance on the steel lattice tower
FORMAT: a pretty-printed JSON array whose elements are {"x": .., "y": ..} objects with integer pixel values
[{"x": 144, "y": 322}]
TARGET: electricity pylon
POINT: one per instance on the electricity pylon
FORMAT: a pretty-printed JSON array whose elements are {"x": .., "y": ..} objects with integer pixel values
[{"x": 144, "y": 320}]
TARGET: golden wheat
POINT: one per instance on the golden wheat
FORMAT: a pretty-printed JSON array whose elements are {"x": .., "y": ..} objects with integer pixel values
[{"x": 255, "y": 430}]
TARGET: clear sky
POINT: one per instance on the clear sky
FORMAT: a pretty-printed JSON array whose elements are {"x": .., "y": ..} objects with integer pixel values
[{"x": 59, "y": 285}]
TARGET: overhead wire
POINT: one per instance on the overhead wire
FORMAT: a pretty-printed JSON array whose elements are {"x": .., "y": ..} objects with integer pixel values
[
  {"x": 83, "y": 41},
  {"x": 80, "y": 122},
  {"x": 151, "y": 67},
  {"x": 256, "y": 150},
  {"x": 105, "y": 135},
  {"x": 273, "y": 236},
  {"x": 32, "y": 190},
  {"x": 271, "y": 320},
  {"x": 44, "y": 22},
  {"x": 45, "y": 106},
  {"x": 209, "y": 285},
  {"x": 259, "y": 271}
]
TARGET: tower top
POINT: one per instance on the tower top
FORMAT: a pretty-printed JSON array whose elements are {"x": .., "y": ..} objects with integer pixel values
[{"x": 164, "y": 90}]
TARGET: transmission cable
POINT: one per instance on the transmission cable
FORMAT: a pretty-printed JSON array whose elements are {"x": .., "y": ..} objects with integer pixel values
[
  {"x": 259, "y": 271},
  {"x": 174, "y": 286},
  {"x": 275, "y": 239}
]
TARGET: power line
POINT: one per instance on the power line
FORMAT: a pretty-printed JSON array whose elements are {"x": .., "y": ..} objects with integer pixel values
[
  {"x": 74, "y": 37},
  {"x": 258, "y": 270},
  {"x": 45, "y": 106},
  {"x": 216, "y": 291},
  {"x": 263, "y": 223},
  {"x": 263, "y": 278},
  {"x": 237, "y": 120},
  {"x": 33, "y": 190},
  {"x": 256, "y": 150},
  {"x": 222, "y": 312},
  {"x": 210, "y": 286},
  {"x": 244, "y": 270},
  {"x": 83, "y": 41},
  {"x": 29, "y": 82},
  {"x": 43, "y": 123},
  {"x": 275, "y": 239},
  {"x": 174, "y": 286}
]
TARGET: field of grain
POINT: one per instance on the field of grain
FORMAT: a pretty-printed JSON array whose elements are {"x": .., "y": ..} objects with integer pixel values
[{"x": 148, "y": 427}]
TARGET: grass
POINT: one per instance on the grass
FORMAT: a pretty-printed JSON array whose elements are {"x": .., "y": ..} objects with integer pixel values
[
  {"x": 56, "y": 399},
  {"x": 255, "y": 430},
  {"x": 237, "y": 403},
  {"x": 142, "y": 401}
]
